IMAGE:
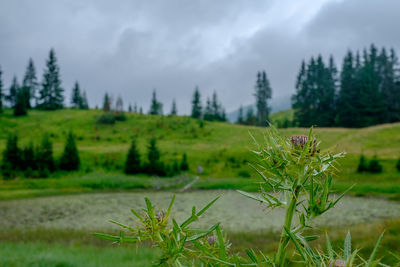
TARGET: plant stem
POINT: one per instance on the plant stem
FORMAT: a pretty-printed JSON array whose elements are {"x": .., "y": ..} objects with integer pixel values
[{"x": 281, "y": 254}]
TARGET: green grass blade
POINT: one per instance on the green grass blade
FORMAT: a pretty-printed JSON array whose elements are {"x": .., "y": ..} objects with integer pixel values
[
  {"x": 371, "y": 258},
  {"x": 347, "y": 247}
]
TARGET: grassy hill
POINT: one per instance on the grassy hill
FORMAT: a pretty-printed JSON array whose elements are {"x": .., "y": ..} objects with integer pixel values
[{"x": 222, "y": 149}]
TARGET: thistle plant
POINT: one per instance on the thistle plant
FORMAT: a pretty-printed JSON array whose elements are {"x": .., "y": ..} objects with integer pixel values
[{"x": 296, "y": 176}]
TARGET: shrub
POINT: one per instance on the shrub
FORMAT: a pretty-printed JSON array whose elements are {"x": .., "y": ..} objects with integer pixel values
[
  {"x": 374, "y": 165},
  {"x": 398, "y": 165},
  {"x": 132, "y": 164},
  {"x": 362, "y": 164},
  {"x": 28, "y": 158},
  {"x": 44, "y": 156},
  {"x": 184, "y": 163},
  {"x": 106, "y": 118},
  {"x": 69, "y": 160},
  {"x": 244, "y": 173},
  {"x": 120, "y": 116},
  {"x": 11, "y": 157}
]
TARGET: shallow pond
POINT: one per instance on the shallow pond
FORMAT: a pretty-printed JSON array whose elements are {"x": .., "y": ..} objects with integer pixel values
[{"x": 234, "y": 211}]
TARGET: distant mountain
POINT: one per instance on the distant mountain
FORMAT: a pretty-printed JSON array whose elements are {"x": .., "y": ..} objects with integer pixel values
[{"x": 277, "y": 104}]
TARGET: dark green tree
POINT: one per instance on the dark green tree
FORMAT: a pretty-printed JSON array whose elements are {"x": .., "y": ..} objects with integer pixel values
[
  {"x": 208, "y": 112},
  {"x": 30, "y": 83},
  {"x": 106, "y": 103},
  {"x": 263, "y": 93},
  {"x": 155, "y": 166},
  {"x": 84, "y": 103},
  {"x": 156, "y": 106},
  {"x": 119, "y": 105},
  {"x": 174, "y": 110},
  {"x": 398, "y": 165},
  {"x": 13, "y": 91},
  {"x": 250, "y": 117},
  {"x": 11, "y": 157},
  {"x": 28, "y": 157},
  {"x": 196, "y": 104},
  {"x": 133, "y": 163},
  {"x": 130, "y": 108},
  {"x": 362, "y": 164},
  {"x": 44, "y": 155},
  {"x": 374, "y": 165},
  {"x": 69, "y": 160},
  {"x": 51, "y": 94},
  {"x": 76, "y": 98},
  {"x": 184, "y": 163},
  {"x": 20, "y": 108}
]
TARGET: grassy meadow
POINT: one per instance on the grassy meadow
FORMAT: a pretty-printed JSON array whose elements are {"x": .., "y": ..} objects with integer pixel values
[{"x": 49, "y": 221}]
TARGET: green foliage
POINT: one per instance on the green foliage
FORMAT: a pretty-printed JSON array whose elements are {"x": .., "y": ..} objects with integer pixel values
[
  {"x": 184, "y": 163},
  {"x": 375, "y": 166},
  {"x": 214, "y": 110},
  {"x": 263, "y": 93},
  {"x": 156, "y": 107},
  {"x": 196, "y": 104},
  {"x": 28, "y": 157},
  {"x": 133, "y": 162},
  {"x": 11, "y": 157},
  {"x": 107, "y": 103},
  {"x": 1, "y": 91},
  {"x": 106, "y": 118},
  {"x": 21, "y": 106},
  {"x": 362, "y": 164},
  {"x": 44, "y": 156},
  {"x": 398, "y": 165},
  {"x": 12, "y": 92},
  {"x": 51, "y": 94},
  {"x": 69, "y": 160},
  {"x": 30, "y": 83},
  {"x": 174, "y": 110},
  {"x": 154, "y": 165}
]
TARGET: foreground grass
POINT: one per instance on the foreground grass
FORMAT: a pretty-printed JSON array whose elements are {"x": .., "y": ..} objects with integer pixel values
[
  {"x": 43, "y": 247},
  {"x": 45, "y": 255}
]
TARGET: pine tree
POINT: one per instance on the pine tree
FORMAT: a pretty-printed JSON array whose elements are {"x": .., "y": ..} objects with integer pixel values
[
  {"x": 84, "y": 102},
  {"x": 141, "y": 110},
  {"x": 106, "y": 103},
  {"x": 76, "y": 98},
  {"x": 196, "y": 104},
  {"x": 155, "y": 107},
  {"x": 135, "y": 108},
  {"x": 130, "y": 108},
  {"x": 28, "y": 157},
  {"x": 11, "y": 156},
  {"x": 362, "y": 164},
  {"x": 263, "y": 94},
  {"x": 13, "y": 91},
  {"x": 30, "y": 83},
  {"x": 184, "y": 163},
  {"x": 1, "y": 91},
  {"x": 174, "y": 110},
  {"x": 69, "y": 160},
  {"x": 51, "y": 94},
  {"x": 208, "y": 112},
  {"x": 153, "y": 155},
  {"x": 20, "y": 108},
  {"x": 44, "y": 155},
  {"x": 250, "y": 117},
  {"x": 240, "y": 118},
  {"x": 119, "y": 105},
  {"x": 132, "y": 163}
]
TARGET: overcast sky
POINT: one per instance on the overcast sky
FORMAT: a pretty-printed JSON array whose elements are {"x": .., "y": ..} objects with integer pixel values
[{"x": 129, "y": 47}]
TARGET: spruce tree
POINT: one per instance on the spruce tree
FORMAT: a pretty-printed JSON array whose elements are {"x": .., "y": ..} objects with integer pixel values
[
  {"x": 263, "y": 93},
  {"x": 76, "y": 98},
  {"x": 208, "y": 112},
  {"x": 153, "y": 155},
  {"x": 20, "y": 107},
  {"x": 184, "y": 163},
  {"x": 51, "y": 94},
  {"x": 155, "y": 107},
  {"x": 12, "y": 92},
  {"x": 132, "y": 163},
  {"x": 84, "y": 102},
  {"x": 30, "y": 83},
  {"x": 28, "y": 157},
  {"x": 106, "y": 103},
  {"x": 69, "y": 160},
  {"x": 11, "y": 156},
  {"x": 44, "y": 155},
  {"x": 130, "y": 108},
  {"x": 174, "y": 110},
  {"x": 250, "y": 117},
  {"x": 1, "y": 91},
  {"x": 196, "y": 104},
  {"x": 135, "y": 108}
]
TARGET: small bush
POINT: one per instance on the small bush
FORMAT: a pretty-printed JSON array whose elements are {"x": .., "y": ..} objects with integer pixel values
[
  {"x": 106, "y": 118},
  {"x": 132, "y": 164},
  {"x": 70, "y": 159},
  {"x": 362, "y": 165},
  {"x": 375, "y": 166},
  {"x": 398, "y": 165},
  {"x": 184, "y": 163},
  {"x": 120, "y": 117},
  {"x": 244, "y": 173}
]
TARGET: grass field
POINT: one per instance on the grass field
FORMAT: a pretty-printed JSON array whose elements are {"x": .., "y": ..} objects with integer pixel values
[{"x": 49, "y": 221}]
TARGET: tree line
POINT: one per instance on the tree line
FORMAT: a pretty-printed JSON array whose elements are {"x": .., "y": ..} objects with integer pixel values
[
  {"x": 365, "y": 92},
  {"x": 47, "y": 94}
]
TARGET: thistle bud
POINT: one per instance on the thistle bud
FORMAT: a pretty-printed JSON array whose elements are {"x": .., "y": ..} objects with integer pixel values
[
  {"x": 160, "y": 216},
  {"x": 300, "y": 141},
  {"x": 211, "y": 240}
]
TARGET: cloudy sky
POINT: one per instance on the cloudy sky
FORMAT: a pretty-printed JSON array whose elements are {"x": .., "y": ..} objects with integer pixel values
[{"x": 129, "y": 47}]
